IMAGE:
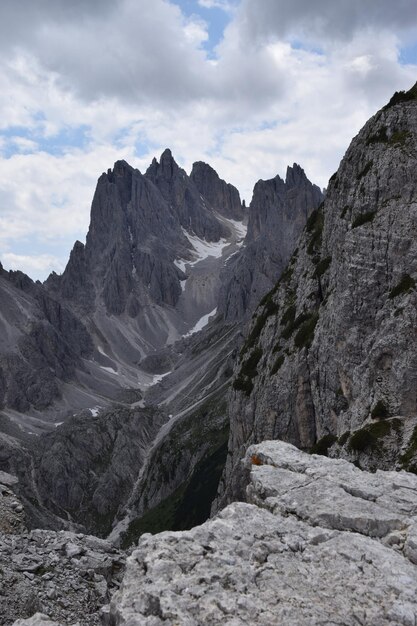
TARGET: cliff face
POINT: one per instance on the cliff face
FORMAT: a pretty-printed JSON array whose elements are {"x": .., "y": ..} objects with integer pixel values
[
  {"x": 277, "y": 215},
  {"x": 332, "y": 348},
  {"x": 222, "y": 196},
  {"x": 42, "y": 344}
]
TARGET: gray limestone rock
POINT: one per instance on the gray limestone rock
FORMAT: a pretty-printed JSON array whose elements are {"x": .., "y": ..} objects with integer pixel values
[
  {"x": 185, "y": 199},
  {"x": 277, "y": 215},
  {"x": 222, "y": 196},
  {"x": 88, "y": 466},
  {"x": 330, "y": 358},
  {"x": 52, "y": 577},
  {"x": 276, "y": 559}
]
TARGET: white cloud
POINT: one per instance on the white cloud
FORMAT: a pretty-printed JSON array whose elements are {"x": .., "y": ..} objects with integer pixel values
[
  {"x": 34, "y": 266},
  {"x": 224, "y": 5}
]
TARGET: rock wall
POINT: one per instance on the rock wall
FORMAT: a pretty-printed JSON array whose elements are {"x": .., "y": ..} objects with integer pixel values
[
  {"x": 277, "y": 215},
  {"x": 332, "y": 348}
]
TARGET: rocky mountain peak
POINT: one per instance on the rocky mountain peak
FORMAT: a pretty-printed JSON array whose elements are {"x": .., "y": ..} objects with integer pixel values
[
  {"x": 165, "y": 169},
  {"x": 295, "y": 176},
  {"x": 222, "y": 196},
  {"x": 277, "y": 215}
]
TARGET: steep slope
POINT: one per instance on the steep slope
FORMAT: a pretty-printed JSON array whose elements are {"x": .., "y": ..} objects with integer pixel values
[
  {"x": 277, "y": 215},
  {"x": 220, "y": 195},
  {"x": 42, "y": 343},
  {"x": 332, "y": 348}
]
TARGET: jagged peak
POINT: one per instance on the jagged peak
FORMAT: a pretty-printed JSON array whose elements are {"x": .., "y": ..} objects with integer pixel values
[
  {"x": 165, "y": 167},
  {"x": 121, "y": 168},
  {"x": 295, "y": 175},
  {"x": 202, "y": 165}
]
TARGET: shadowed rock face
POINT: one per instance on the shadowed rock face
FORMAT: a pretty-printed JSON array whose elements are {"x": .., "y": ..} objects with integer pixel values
[
  {"x": 222, "y": 196},
  {"x": 42, "y": 343},
  {"x": 88, "y": 466},
  {"x": 277, "y": 215},
  {"x": 183, "y": 197},
  {"x": 132, "y": 242},
  {"x": 334, "y": 342}
]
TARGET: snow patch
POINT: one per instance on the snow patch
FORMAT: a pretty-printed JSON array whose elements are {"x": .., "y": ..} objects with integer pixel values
[
  {"x": 108, "y": 369},
  {"x": 95, "y": 411},
  {"x": 180, "y": 264},
  {"x": 202, "y": 322},
  {"x": 156, "y": 379},
  {"x": 240, "y": 229}
]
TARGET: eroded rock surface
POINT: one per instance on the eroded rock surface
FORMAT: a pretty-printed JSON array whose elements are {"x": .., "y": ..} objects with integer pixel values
[
  {"x": 332, "y": 348},
  {"x": 63, "y": 575},
  {"x": 318, "y": 542}
]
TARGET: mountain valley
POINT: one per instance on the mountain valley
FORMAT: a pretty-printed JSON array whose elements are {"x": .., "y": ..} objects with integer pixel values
[{"x": 187, "y": 331}]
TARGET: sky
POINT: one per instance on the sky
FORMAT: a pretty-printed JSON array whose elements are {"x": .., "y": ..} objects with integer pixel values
[{"x": 249, "y": 86}]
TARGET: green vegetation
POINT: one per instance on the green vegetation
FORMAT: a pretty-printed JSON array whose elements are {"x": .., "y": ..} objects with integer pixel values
[
  {"x": 409, "y": 459},
  {"x": 380, "y": 411},
  {"x": 402, "y": 96},
  {"x": 314, "y": 226},
  {"x": 322, "y": 445},
  {"x": 277, "y": 365},
  {"x": 293, "y": 325},
  {"x": 343, "y": 438},
  {"x": 305, "y": 335},
  {"x": 248, "y": 371},
  {"x": 363, "y": 218},
  {"x": 400, "y": 137},
  {"x": 406, "y": 284},
  {"x": 322, "y": 267},
  {"x": 369, "y": 436},
  {"x": 365, "y": 170},
  {"x": 378, "y": 137},
  {"x": 345, "y": 209},
  {"x": 249, "y": 365},
  {"x": 186, "y": 507},
  {"x": 269, "y": 308},
  {"x": 289, "y": 315}
]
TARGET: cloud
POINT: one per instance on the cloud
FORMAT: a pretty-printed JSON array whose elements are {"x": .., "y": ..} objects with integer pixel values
[
  {"x": 325, "y": 20},
  {"x": 34, "y": 266},
  {"x": 224, "y": 5}
]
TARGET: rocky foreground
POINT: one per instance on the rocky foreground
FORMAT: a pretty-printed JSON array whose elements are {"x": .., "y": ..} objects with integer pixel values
[
  {"x": 318, "y": 542},
  {"x": 65, "y": 575}
]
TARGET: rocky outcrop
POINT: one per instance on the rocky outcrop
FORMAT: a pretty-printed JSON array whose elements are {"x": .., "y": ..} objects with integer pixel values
[
  {"x": 86, "y": 469},
  {"x": 65, "y": 576},
  {"x": 42, "y": 344},
  {"x": 277, "y": 215},
  {"x": 68, "y": 576},
  {"x": 184, "y": 199},
  {"x": 331, "y": 352},
  {"x": 222, "y": 196},
  {"x": 318, "y": 541}
]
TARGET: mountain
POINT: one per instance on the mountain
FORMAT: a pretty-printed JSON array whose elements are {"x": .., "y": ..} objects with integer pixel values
[
  {"x": 328, "y": 363},
  {"x": 330, "y": 359},
  {"x": 277, "y": 215},
  {"x": 141, "y": 355}
]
